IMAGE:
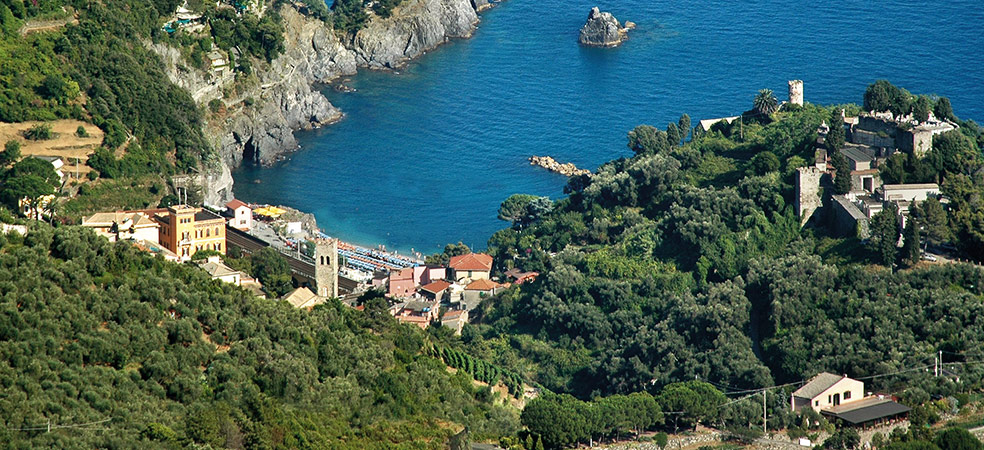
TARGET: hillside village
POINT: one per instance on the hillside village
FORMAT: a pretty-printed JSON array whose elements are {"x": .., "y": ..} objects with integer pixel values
[{"x": 420, "y": 294}]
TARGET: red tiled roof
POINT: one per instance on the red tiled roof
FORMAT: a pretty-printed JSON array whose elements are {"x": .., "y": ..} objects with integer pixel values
[
  {"x": 471, "y": 261},
  {"x": 451, "y": 315},
  {"x": 482, "y": 285},
  {"x": 235, "y": 203},
  {"x": 436, "y": 287}
]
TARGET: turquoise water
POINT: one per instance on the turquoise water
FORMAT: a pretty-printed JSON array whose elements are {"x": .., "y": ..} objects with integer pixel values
[{"x": 424, "y": 157}]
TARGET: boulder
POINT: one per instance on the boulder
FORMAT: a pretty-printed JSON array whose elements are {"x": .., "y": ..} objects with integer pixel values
[{"x": 602, "y": 29}]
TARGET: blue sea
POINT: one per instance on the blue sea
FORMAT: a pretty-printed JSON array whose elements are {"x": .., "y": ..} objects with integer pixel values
[{"x": 424, "y": 157}]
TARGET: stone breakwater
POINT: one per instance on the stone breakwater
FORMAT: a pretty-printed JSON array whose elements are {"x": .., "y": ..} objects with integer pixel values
[{"x": 566, "y": 169}]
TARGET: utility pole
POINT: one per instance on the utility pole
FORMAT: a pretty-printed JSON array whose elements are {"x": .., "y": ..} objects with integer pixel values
[
  {"x": 936, "y": 366},
  {"x": 941, "y": 361},
  {"x": 765, "y": 420}
]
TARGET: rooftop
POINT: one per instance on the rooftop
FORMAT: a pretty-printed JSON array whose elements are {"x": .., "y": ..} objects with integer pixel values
[
  {"x": 471, "y": 261},
  {"x": 419, "y": 306},
  {"x": 866, "y": 409},
  {"x": 106, "y": 219},
  {"x": 892, "y": 187},
  {"x": 236, "y": 203},
  {"x": 302, "y": 297},
  {"x": 436, "y": 287},
  {"x": 819, "y": 383},
  {"x": 454, "y": 315},
  {"x": 206, "y": 215},
  {"x": 482, "y": 285},
  {"x": 859, "y": 154},
  {"x": 217, "y": 269}
]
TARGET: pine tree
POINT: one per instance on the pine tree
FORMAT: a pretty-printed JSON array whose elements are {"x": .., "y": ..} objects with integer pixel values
[
  {"x": 836, "y": 136},
  {"x": 842, "y": 180},
  {"x": 910, "y": 246}
]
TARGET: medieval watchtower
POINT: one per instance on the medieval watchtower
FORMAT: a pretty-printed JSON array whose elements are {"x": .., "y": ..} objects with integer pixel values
[
  {"x": 796, "y": 92},
  {"x": 326, "y": 267}
]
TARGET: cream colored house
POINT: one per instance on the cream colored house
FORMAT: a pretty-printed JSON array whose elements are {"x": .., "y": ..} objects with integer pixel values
[
  {"x": 219, "y": 271},
  {"x": 827, "y": 390},
  {"x": 123, "y": 225}
]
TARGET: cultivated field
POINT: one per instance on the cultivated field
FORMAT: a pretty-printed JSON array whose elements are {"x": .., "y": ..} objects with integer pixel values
[{"x": 64, "y": 143}]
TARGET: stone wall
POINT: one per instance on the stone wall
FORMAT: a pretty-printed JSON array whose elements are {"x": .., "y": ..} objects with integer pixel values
[
  {"x": 807, "y": 192},
  {"x": 849, "y": 221}
]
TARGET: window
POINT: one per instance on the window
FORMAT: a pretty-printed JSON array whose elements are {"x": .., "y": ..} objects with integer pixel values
[
  {"x": 830, "y": 399},
  {"x": 218, "y": 247},
  {"x": 847, "y": 395},
  {"x": 208, "y": 232},
  {"x": 816, "y": 403}
]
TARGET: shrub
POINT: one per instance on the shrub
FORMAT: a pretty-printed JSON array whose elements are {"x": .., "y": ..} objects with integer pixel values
[
  {"x": 80, "y": 132},
  {"x": 39, "y": 132}
]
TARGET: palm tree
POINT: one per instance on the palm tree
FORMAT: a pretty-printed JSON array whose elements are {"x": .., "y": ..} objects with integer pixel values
[{"x": 765, "y": 102}]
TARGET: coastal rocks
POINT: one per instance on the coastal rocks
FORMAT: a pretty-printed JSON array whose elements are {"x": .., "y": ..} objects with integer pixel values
[
  {"x": 566, "y": 169},
  {"x": 415, "y": 27},
  {"x": 602, "y": 29}
]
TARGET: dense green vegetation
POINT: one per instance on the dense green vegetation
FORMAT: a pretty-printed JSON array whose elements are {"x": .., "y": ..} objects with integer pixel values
[
  {"x": 95, "y": 332},
  {"x": 686, "y": 261},
  {"x": 349, "y": 16}
]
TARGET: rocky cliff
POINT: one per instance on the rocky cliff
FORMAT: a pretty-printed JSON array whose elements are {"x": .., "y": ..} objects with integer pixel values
[
  {"x": 415, "y": 27},
  {"x": 602, "y": 29},
  {"x": 263, "y": 116}
]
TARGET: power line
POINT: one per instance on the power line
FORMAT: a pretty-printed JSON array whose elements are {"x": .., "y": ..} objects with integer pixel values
[{"x": 50, "y": 427}]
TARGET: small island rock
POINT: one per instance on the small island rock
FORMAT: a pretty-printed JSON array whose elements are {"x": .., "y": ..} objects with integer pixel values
[{"x": 602, "y": 30}]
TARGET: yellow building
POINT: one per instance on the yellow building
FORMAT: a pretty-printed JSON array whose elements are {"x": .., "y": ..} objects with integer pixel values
[{"x": 185, "y": 230}]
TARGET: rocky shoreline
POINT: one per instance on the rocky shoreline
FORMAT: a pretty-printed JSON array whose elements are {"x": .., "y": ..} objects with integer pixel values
[
  {"x": 566, "y": 169},
  {"x": 282, "y": 97}
]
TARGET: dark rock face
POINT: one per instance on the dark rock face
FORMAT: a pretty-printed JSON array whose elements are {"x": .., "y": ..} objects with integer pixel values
[{"x": 602, "y": 29}]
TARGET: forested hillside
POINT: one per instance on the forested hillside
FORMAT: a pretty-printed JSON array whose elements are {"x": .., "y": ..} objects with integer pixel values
[
  {"x": 115, "y": 348},
  {"x": 687, "y": 261}
]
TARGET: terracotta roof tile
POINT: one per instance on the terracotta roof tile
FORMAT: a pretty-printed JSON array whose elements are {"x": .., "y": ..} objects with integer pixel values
[
  {"x": 471, "y": 261},
  {"x": 436, "y": 287},
  {"x": 482, "y": 285}
]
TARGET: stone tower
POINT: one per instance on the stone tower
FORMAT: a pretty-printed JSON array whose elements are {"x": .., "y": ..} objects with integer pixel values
[
  {"x": 326, "y": 267},
  {"x": 796, "y": 92},
  {"x": 807, "y": 198}
]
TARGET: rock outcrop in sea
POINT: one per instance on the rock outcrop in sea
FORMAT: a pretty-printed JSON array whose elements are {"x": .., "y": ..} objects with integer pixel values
[
  {"x": 262, "y": 116},
  {"x": 566, "y": 169},
  {"x": 602, "y": 29}
]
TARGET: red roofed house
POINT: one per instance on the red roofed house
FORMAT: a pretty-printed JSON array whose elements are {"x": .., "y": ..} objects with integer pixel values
[
  {"x": 435, "y": 290},
  {"x": 242, "y": 215},
  {"x": 470, "y": 267},
  {"x": 478, "y": 290},
  {"x": 401, "y": 283}
]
